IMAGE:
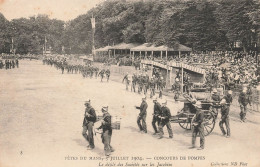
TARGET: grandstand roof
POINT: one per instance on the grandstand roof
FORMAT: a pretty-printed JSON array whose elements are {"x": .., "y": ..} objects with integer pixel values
[
  {"x": 124, "y": 46},
  {"x": 104, "y": 49},
  {"x": 151, "y": 47}
]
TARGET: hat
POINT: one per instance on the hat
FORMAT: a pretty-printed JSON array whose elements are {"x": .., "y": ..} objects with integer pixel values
[
  {"x": 87, "y": 101},
  {"x": 230, "y": 92},
  {"x": 177, "y": 79},
  {"x": 214, "y": 90},
  {"x": 198, "y": 104},
  {"x": 104, "y": 108},
  {"x": 223, "y": 101},
  {"x": 164, "y": 101}
]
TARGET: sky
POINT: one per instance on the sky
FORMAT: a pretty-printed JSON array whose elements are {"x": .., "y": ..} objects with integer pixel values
[{"x": 59, "y": 9}]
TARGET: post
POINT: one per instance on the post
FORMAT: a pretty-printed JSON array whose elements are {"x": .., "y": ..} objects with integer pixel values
[
  {"x": 181, "y": 79},
  {"x": 161, "y": 54},
  {"x": 167, "y": 75},
  {"x": 179, "y": 54},
  {"x": 170, "y": 76}
]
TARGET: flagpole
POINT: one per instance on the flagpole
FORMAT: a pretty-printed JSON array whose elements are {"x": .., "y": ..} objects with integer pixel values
[
  {"x": 45, "y": 44},
  {"x": 93, "y": 34}
]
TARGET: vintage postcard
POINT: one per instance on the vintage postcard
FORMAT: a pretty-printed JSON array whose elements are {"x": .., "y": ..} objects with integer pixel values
[{"x": 129, "y": 83}]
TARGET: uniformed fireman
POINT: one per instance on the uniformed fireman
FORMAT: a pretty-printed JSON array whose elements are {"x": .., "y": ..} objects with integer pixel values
[
  {"x": 165, "y": 120},
  {"x": 141, "y": 119},
  {"x": 102, "y": 73},
  {"x": 108, "y": 74},
  {"x": 156, "y": 113},
  {"x": 224, "y": 118},
  {"x": 215, "y": 99},
  {"x": 152, "y": 87},
  {"x": 198, "y": 126},
  {"x": 243, "y": 101},
  {"x": 177, "y": 89},
  {"x": 229, "y": 98},
  {"x": 107, "y": 131},
  {"x": 134, "y": 80},
  {"x": 126, "y": 79},
  {"x": 88, "y": 123}
]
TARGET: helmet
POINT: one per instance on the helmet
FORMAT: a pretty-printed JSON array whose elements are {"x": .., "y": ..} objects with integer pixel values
[
  {"x": 198, "y": 104},
  {"x": 230, "y": 92},
  {"x": 105, "y": 108},
  {"x": 177, "y": 79},
  {"x": 223, "y": 101},
  {"x": 214, "y": 90},
  {"x": 87, "y": 101}
]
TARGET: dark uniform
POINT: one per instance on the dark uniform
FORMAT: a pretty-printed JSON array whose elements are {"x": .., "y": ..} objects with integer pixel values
[
  {"x": 134, "y": 80},
  {"x": 102, "y": 73},
  {"x": 215, "y": 99},
  {"x": 108, "y": 74},
  {"x": 228, "y": 99},
  {"x": 107, "y": 133},
  {"x": 225, "y": 119},
  {"x": 165, "y": 120},
  {"x": 156, "y": 113},
  {"x": 142, "y": 116},
  {"x": 198, "y": 128},
  {"x": 177, "y": 90},
  {"x": 88, "y": 123},
  {"x": 152, "y": 87},
  {"x": 243, "y": 100},
  {"x": 126, "y": 81}
]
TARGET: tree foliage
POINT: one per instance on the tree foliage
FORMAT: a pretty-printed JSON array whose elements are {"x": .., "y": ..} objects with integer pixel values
[{"x": 200, "y": 24}]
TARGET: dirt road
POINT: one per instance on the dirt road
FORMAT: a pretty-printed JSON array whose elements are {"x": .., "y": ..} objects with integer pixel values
[{"x": 41, "y": 113}]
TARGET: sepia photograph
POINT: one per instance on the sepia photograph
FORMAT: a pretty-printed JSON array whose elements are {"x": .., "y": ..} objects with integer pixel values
[{"x": 130, "y": 83}]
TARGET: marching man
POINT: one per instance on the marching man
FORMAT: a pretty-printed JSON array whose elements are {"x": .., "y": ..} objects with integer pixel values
[
  {"x": 88, "y": 123},
  {"x": 165, "y": 120},
  {"x": 198, "y": 126},
  {"x": 243, "y": 100},
  {"x": 224, "y": 118},
  {"x": 107, "y": 131},
  {"x": 156, "y": 113},
  {"x": 141, "y": 119}
]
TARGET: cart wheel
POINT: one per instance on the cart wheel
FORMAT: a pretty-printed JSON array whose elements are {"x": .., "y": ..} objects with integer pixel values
[
  {"x": 209, "y": 123},
  {"x": 186, "y": 125}
]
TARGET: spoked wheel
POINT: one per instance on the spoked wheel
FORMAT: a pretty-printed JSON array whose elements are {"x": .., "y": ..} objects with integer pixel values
[
  {"x": 209, "y": 123},
  {"x": 185, "y": 125}
]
